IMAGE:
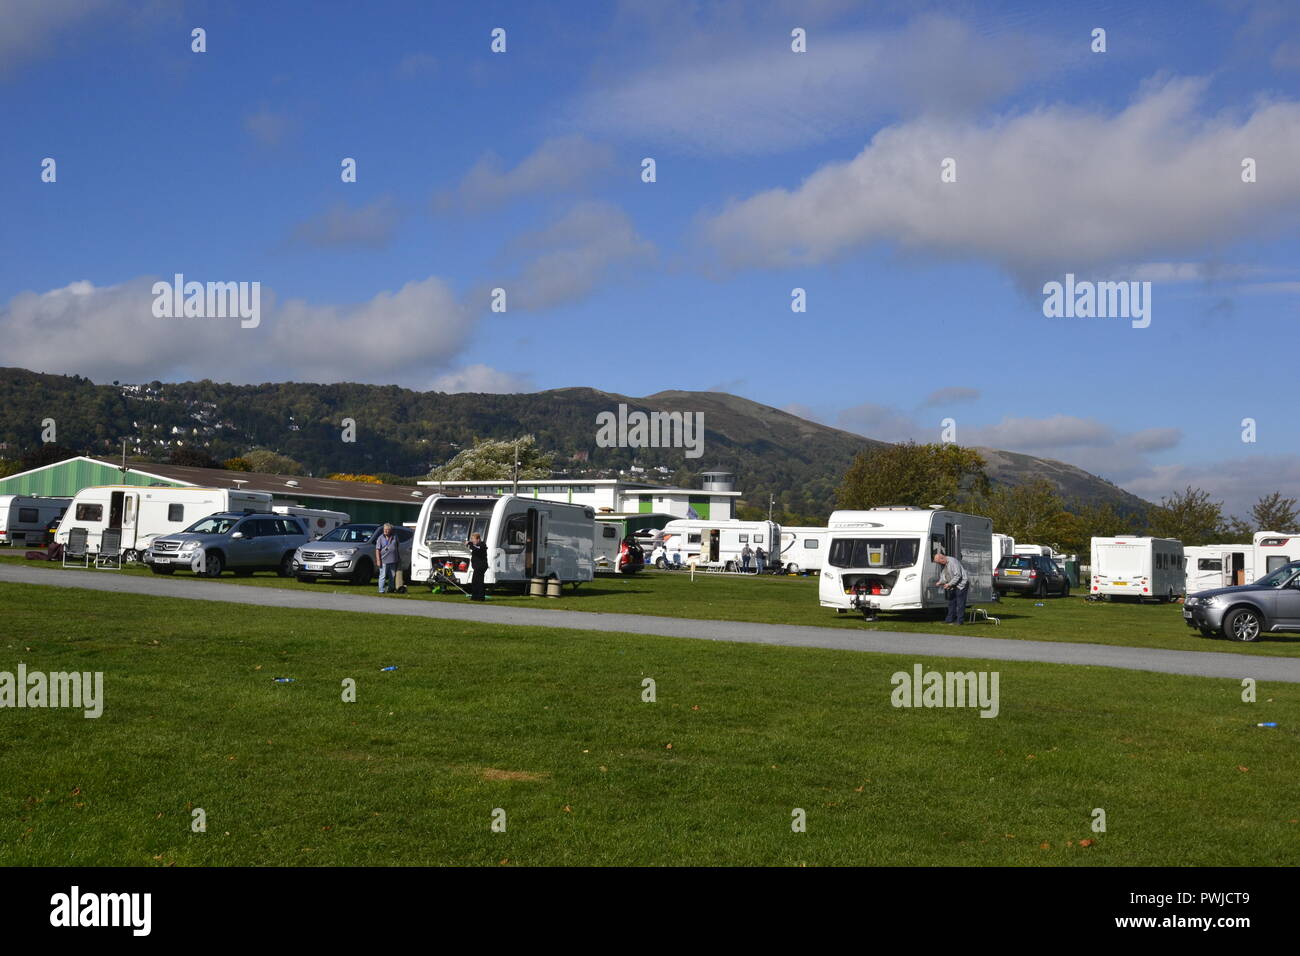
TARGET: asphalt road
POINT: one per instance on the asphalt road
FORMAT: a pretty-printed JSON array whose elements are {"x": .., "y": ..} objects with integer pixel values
[{"x": 961, "y": 644}]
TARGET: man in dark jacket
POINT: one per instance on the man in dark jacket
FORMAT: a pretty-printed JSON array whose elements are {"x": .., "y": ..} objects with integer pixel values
[{"x": 478, "y": 564}]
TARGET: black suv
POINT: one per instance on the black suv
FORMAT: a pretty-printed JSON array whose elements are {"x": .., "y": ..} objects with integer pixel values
[{"x": 1035, "y": 575}]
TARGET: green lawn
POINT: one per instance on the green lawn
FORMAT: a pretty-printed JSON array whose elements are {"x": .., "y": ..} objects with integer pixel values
[
  {"x": 793, "y": 600},
  {"x": 549, "y": 725}
]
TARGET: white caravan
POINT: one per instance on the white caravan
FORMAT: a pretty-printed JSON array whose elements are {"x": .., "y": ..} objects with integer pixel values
[
  {"x": 1003, "y": 545},
  {"x": 317, "y": 521},
  {"x": 803, "y": 549},
  {"x": 1031, "y": 549},
  {"x": 526, "y": 538},
  {"x": 615, "y": 554},
  {"x": 1274, "y": 549},
  {"x": 883, "y": 559},
  {"x": 1139, "y": 567},
  {"x": 717, "y": 544},
  {"x": 1219, "y": 566},
  {"x": 143, "y": 513},
  {"x": 24, "y": 518}
]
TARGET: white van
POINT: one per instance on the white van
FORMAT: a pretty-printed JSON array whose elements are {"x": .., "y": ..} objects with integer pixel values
[
  {"x": 883, "y": 559},
  {"x": 1139, "y": 567},
  {"x": 143, "y": 513},
  {"x": 1219, "y": 566},
  {"x": 717, "y": 544},
  {"x": 25, "y": 518},
  {"x": 803, "y": 549},
  {"x": 526, "y": 538},
  {"x": 317, "y": 521}
]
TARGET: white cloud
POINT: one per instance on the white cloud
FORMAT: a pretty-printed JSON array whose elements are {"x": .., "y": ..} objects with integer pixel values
[
  {"x": 481, "y": 378},
  {"x": 882, "y": 423},
  {"x": 569, "y": 258},
  {"x": 110, "y": 332},
  {"x": 1238, "y": 483},
  {"x": 372, "y": 225},
  {"x": 763, "y": 97},
  {"x": 560, "y": 164},
  {"x": 952, "y": 395},
  {"x": 29, "y": 28},
  {"x": 270, "y": 128},
  {"x": 1037, "y": 193}
]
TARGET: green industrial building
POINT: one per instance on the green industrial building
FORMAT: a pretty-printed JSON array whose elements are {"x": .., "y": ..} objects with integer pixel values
[{"x": 363, "y": 502}]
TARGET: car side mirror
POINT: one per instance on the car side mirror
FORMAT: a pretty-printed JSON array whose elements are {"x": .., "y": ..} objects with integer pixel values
[{"x": 237, "y": 534}]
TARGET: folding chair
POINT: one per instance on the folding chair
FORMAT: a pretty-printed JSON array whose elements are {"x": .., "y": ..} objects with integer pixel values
[
  {"x": 76, "y": 548},
  {"x": 110, "y": 550}
]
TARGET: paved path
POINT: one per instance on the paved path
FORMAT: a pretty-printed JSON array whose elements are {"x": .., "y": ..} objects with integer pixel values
[{"x": 951, "y": 644}]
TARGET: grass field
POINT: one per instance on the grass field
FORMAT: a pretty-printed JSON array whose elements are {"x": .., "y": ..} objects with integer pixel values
[
  {"x": 793, "y": 600},
  {"x": 549, "y": 726}
]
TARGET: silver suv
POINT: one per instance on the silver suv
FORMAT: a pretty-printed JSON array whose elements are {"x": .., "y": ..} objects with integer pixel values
[
  {"x": 348, "y": 552},
  {"x": 1244, "y": 612},
  {"x": 243, "y": 542}
]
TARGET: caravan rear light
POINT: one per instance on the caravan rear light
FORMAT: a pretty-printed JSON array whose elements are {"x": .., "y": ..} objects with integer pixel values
[
  {"x": 462, "y": 566},
  {"x": 1033, "y": 574}
]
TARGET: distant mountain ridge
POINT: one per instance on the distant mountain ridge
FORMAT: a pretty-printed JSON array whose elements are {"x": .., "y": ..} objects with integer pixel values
[{"x": 405, "y": 432}]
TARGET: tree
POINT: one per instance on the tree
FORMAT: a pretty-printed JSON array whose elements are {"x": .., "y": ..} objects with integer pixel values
[
  {"x": 364, "y": 479},
  {"x": 1191, "y": 517},
  {"x": 1032, "y": 513},
  {"x": 271, "y": 463},
  {"x": 1275, "y": 513},
  {"x": 912, "y": 474},
  {"x": 192, "y": 458},
  {"x": 44, "y": 455},
  {"x": 490, "y": 459}
]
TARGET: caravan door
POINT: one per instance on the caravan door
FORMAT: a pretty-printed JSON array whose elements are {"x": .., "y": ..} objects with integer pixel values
[
  {"x": 130, "y": 518},
  {"x": 536, "y": 564}
]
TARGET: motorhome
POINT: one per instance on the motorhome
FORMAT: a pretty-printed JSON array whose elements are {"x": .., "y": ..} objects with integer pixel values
[
  {"x": 1274, "y": 549},
  {"x": 526, "y": 538},
  {"x": 802, "y": 549},
  {"x": 318, "y": 521},
  {"x": 1219, "y": 566},
  {"x": 883, "y": 559},
  {"x": 1130, "y": 565},
  {"x": 25, "y": 519},
  {"x": 718, "y": 544},
  {"x": 143, "y": 513}
]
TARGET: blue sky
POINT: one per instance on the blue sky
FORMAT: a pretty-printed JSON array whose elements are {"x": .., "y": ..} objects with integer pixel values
[{"x": 775, "y": 170}]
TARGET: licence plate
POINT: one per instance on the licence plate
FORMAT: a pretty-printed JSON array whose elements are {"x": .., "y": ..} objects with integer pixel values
[
  {"x": 1016, "y": 573},
  {"x": 315, "y": 567},
  {"x": 1120, "y": 584},
  {"x": 1187, "y": 613}
]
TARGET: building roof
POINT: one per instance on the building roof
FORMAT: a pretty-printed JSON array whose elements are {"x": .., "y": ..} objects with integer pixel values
[{"x": 277, "y": 484}]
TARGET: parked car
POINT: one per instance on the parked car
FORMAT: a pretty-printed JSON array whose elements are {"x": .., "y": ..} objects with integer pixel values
[
  {"x": 1245, "y": 611},
  {"x": 1035, "y": 575},
  {"x": 243, "y": 542},
  {"x": 348, "y": 552}
]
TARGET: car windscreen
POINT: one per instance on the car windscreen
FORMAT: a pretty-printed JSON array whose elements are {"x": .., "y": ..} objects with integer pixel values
[
  {"x": 212, "y": 525},
  {"x": 881, "y": 553},
  {"x": 1279, "y": 577},
  {"x": 352, "y": 533}
]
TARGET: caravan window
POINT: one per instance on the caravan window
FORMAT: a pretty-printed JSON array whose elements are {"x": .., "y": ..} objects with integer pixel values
[
  {"x": 1209, "y": 564},
  {"x": 87, "y": 512},
  {"x": 456, "y": 528},
  {"x": 434, "y": 531},
  {"x": 758, "y": 539},
  {"x": 744, "y": 539},
  {"x": 517, "y": 533},
  {"x": 480, "y": 525},
  {"x": 881, "y": 553},
  {"x": 812, "y": 544},
  {"x": 608, "y": 531},
  {"x": 176, "y": 513},
  {"x": 693, "y": 537},
  {"x": 28, "y": 515}
]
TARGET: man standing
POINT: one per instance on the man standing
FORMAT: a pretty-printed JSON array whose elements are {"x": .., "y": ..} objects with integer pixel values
[
  {"x": 478, "y": 563},
  {"x": 745, "y": 554},
  {"x": 760, "y": 559},
  {"x": 388, "y": 557},
  {"x": 955, "y": 585}
]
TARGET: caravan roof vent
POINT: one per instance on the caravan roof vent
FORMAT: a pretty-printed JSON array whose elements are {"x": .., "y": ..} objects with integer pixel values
[
  {"x": 417, "y": 494},
  {"x": 291, "y": 483}
]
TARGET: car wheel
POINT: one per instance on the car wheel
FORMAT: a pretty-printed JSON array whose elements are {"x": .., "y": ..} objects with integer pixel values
[
  {"x": 1244, "y": 624},
  {"x": 362, "y": 573},
  {"x": 661, "y": 563},
  {"x": 1041, "y": 591},
  {"x": 159, "y": 569},
  {"x": 286, "y": 565},
  {"x": 212, "y": 565}
]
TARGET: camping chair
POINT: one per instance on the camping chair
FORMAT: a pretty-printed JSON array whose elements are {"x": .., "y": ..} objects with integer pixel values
[
  {"x": 110, "y": 550},
  {"x": 76, "y": 548}
]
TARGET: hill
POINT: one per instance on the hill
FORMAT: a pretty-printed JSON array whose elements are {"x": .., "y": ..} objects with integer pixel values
[{"x": 404, "y": 432}]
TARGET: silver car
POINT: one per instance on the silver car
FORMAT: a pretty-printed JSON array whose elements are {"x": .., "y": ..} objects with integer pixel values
[
  {"x": 348, "y": 552},
  {"x": 1246, "y": 611},
  {"x": 243, "y": 542}
]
